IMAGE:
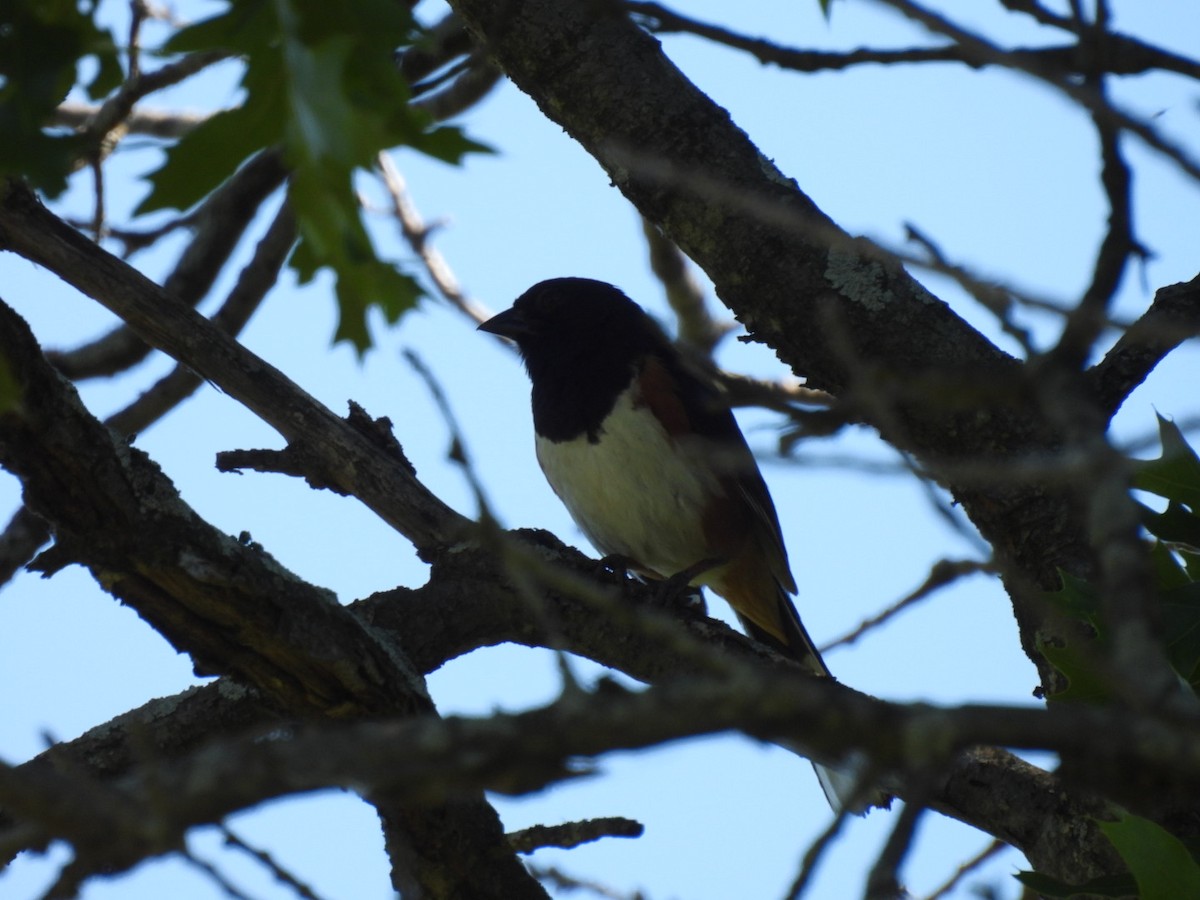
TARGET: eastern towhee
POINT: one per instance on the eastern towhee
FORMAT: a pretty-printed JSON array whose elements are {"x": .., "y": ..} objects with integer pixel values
[{"x": 644, "y": 452}]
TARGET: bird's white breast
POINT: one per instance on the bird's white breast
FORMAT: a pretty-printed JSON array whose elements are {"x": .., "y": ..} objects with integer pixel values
[{"x": 636, "y": 492}]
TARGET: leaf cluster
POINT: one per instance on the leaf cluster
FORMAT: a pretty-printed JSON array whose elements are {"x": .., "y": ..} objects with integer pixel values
[{"x": 318, "y": 82}]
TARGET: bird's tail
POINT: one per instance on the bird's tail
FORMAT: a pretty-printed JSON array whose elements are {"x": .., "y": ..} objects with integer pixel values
[{"x": 790, "y": 637}]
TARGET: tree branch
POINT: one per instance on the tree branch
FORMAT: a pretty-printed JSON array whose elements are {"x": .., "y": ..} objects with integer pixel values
[{"x": 1172, "y": 318}]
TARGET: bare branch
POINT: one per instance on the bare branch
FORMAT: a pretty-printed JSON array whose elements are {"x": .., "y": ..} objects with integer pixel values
[
  {"x": 123, "y": 519},
  {"x": 21, "y": 539},
  {"x": 883, "y": 881},
  {"x": 967, "y": 868},
  {"x": 255, "y": 280},
  {"x": 983, "y": 52},
  {"x": 1087, "y": 320},
  {"x": 114, "y": 511},
  {"x": 468, "y": 603},
  {"x": 440, "y": 86},
  {"x": 417, "y": 234},
  {"x": 103, "y": 128},
  {"x": 278, "y": 872},
  {"x": 472, "y": 84},
  {"x": 26, "y": 532},
  {"x": 1118, "y": 54},
  {"x": 441, "y": 43},
  {"x": 570, "y": 883},
  {"x": 816, "y": 850}
]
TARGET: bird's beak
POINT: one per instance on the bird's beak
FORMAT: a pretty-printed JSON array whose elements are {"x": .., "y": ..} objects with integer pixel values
[{"x": 510, "y": 324}]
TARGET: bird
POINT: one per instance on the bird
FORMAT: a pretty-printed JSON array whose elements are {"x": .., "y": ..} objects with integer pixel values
[{"x": 641, "y": 447}]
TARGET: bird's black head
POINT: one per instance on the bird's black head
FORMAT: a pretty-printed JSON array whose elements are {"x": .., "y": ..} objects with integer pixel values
[
  {"x": 581, "y": 341},
  {"x": 569, "y": 311}
]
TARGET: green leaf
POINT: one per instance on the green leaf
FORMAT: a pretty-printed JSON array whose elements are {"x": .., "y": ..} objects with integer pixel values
[
  {"x": 1077, "y": 598},
  {"x": 1104, "y": 886},
  {"x": 1159, "y": 861},
  {"x": 42, "y": 43},
  {"x": 245, "y": 27},
  {"x": 1169, "y": 572},
  {"x": 208, "y": 154},
  {"x": 447, "y": 143},
  {"x": 1176, "y": 473},
  {"x": 1175, "y": 525},
  {"x": 1085, "y": 682}
]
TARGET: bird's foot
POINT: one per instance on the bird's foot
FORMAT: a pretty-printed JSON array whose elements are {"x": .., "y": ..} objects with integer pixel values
[{"x": 678, "y": 594}]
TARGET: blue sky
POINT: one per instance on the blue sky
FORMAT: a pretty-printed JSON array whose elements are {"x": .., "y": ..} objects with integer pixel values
[{"x": 1002, "y": 173}]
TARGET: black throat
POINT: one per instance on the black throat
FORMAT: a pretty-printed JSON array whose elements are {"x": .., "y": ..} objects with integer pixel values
[{"x": 575, "y": 388}]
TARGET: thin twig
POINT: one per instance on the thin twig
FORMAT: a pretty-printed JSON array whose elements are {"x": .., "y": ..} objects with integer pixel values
[
  {"x": 967, "y": 868},
  {"x": 458, "y": 448},
  {"x": 813, "y": 854},
  {"x": 476, "y": 80},
  {"x": 227, "y": 887},
  {"x": 265, "y": 859},
  {"x": 416, "y": 234},
  {"x": 1087, "y": 320},
  {"x": 944, "y": 572}
]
